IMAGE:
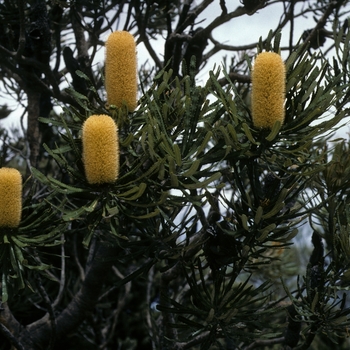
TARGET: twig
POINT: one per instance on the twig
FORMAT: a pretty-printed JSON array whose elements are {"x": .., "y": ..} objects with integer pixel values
[
  {"x": 114, "y": 288},
  {"x": 83, "y": 302},
  {"x": 150, "y": 283},
  {"x": 92, "y": 252},
  {"x": 33, "y": 131},
  {"x": 309, "y": 339},
  {"x": 192, "y": 15},
  {"x": 26, "y": 157},
  {"x": 10, "y": 327},
  {"x": 291, "y": 16},
  {"x": 320, "y": 24},
  {"x": 166, "y": 331},
  {"x": 235, "y": 77},
  {"x": 49, "y": 309},
  {"x": 117, "y": 272},
  {"x": 9, "y": 336},
  {"x": 223, "y": 19},
  {"x": 22, "y": 34},
  {"x": 121, "y": 303},
  {"x": 79, "y": 33},
  {"x": 223, "y": 7},
  {"x": 144, "y": 39},
  {"x": 264, "y": 342},
  {"x": 39, "y": 262},
  {"x": 76, "y": 259},
  {"x": 63, "y": 274},
  {"x": 219, "y": 46},
  {"x": 197, "y": 340}
]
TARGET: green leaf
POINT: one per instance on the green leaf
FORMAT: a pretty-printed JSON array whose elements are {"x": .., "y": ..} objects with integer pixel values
[
  {"x": 146, "y": 216},
  {"x": 134, "y": 193},
  {"x": 143, "y": 269},
  {"x": 193, "y": 168},
  {"x": 201, "y": 184},
  {"x": 275, "y": 130},
  {"x": 249, "y": 134}
]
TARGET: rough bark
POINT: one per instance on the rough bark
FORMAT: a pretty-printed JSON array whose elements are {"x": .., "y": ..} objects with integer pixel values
[
  {"x": 33, "y": 132},
  {"x": 37, "y": 335}
]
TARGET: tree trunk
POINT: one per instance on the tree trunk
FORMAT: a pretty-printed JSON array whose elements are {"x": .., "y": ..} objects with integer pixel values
[
  {"x": 33, "y": 132},
  {"x": 37, "y": 335}
]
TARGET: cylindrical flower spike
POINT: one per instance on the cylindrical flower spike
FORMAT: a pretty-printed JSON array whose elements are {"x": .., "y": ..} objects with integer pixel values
[
  {"x": 100, "y": 149},
  {"x": 121, "y": 70},
  {"x": 268, "y": 90},
  {"x": 10, "y": 197}
]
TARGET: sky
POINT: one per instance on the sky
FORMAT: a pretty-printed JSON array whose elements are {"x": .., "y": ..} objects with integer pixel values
[{"x": 239, "y": 31}]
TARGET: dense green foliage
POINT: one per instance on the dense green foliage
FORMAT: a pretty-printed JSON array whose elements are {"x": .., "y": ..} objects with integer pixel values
[{"x": 216, "y": 235}]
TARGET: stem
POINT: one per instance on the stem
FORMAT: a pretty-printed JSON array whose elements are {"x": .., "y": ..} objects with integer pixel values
[
  {"x": 33, "y": 132},
  {"x": 81, "y": 305},
  {"x": 8, "y": 335}
]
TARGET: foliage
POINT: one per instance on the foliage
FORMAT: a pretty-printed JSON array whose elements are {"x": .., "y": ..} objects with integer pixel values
[{"x": 198, "y": 243}]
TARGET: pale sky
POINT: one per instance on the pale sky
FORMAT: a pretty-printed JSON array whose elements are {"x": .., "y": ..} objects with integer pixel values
[{"x": 239, "y": 31}]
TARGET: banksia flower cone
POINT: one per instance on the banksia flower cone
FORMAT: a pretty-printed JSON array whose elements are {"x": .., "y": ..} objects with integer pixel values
[
  {"x": 268, "y": 90},
  {"x": 121, "y": 70},
  {"x": 10, "y": 197},
  {"x": 100, "y": 149}
]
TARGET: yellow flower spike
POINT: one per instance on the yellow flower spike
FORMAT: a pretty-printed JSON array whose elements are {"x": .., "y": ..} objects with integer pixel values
[
  {"x": 100, "y": 149},
  {"x": 268, "y": 90},
  {"x": 121, "y": 70},
  {"x": 10, "y": 197}
]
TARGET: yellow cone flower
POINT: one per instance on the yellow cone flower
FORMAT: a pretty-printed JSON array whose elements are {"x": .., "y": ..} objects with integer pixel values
[
  {"x": 268, "y": 90},
  {"x": 100, "y": 149},
  {"x": 121, "y": 70},
  {"x": 10, "y": 197}
]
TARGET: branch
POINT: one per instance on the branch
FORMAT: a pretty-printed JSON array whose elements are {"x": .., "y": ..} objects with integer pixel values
[
  {"x": 8, "y": 335},
  {"x": 309, "y": 339},
  {"x": 153, "y": 333},
  {"x": 8, "y": 320},
  {"x": 264, "y": 343},
  {"x": 142, "y": 21},
  {"x": 223, "y": 7},
  {"x": 197, "y": 340},
  {"x": 31, "y": 62},
  {"x": 143, "y": 38},
  {"x": 320, "y": 24},
  {"x": 218, "y": 47},
  {"x": 22, "y": 37},
  {"x": 115, "y": 315},
  {"x": 291, "y": 16},
  {"x": 83, "y": 302},
  {"x": 235, "y": 77},
  {"x": 218, "y": 21},
  {"x": 49, "y": 308},
  {"x": 225, "y": 18},
  {"x": 76, "y": 259},
  {"x": 81, "y": 44},
  {"x": 62, "y": 281},
  {"x": 33, "y": 131},
  {"x": 25, "y": 60},
  {"x": 167, "y": 332},
  {"x": 193, "y": 15}
]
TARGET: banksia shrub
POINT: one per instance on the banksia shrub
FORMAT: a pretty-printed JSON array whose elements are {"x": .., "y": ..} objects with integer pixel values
[
  {"x": 268, "y": 90},
  {"x": 100, "y": 149},
  {"x": 10, "y": 197},
  {"x": 121, "y": 70}
]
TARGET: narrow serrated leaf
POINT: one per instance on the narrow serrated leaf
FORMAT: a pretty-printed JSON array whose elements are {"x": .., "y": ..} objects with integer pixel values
[
  {"x": 202, "y": 184},
  {"x": 275, "y": 130},
  {"x": 193, "y": 168}
]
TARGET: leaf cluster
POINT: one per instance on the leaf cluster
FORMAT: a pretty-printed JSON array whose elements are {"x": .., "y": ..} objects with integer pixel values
[{"x": 208, "y": 205}]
